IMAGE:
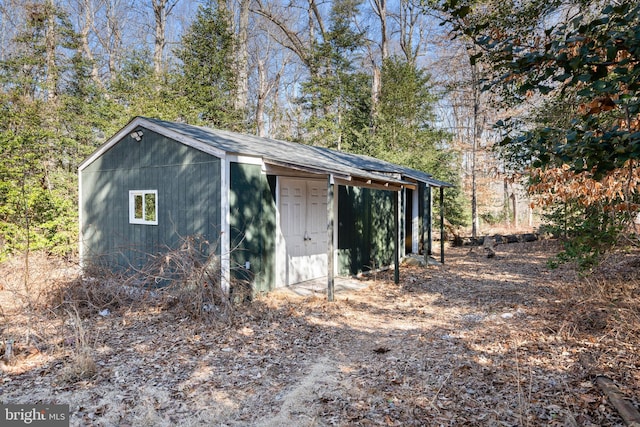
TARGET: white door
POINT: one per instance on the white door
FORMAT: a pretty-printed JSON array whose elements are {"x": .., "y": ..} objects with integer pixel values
[{"x": 303, "y": 220}]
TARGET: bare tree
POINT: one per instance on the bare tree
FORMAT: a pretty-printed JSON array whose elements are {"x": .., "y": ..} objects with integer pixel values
[
  {"x": 272, "y": 65},
  {"x": 265, "y": 87},
  {"x": 85, "y": 13},
  {"x": 51, "y": 41},
  {"x": 242, "y": 57},
  {"x": 109, "y": 34},
  {"x": 161, "y": 10},
  {"x": 12, "y": 19},
  {"x": 286, "y": 21},
  {"x": 413, "y": 29},
  {"x": 464, "y": 111},
  {"x": 380, "y": 10},
  {"x": 289, "y": 30}
]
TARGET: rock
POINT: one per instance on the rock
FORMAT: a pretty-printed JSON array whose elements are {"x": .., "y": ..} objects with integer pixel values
[
  {"x": 488, "y": 247},
  {"x": 414, "y": 261},
  {"x": 512, "y": 238}
]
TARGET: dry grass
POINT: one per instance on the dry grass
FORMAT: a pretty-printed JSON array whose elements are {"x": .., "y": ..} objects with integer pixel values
[
  {"x": 608, "y": 300},
  {"x": 80, "y": 364},
  {"x": 44, "y": 309},
  {"x": 27, "y": 314}
]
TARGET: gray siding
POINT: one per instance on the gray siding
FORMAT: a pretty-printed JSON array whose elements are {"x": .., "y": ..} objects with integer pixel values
[{"x": 188, "y": 185}]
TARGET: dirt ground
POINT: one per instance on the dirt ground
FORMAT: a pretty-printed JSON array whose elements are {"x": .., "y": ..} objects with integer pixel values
[{"x": 487, "y": 342}]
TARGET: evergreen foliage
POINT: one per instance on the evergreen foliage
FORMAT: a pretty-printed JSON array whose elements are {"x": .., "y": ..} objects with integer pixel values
[
  {"x": 36, "y": 197},
  {"x": 333, "y": 95},
  {"x": 205, "y": 78},
  {"x": 58, "y": 104}
]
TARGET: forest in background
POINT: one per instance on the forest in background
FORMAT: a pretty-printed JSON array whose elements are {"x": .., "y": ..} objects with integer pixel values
[
  {"x": 484, "y": 94},
  {"x": 348, "y": 75}
]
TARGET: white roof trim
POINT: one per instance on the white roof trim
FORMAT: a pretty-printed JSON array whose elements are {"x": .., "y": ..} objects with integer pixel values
[
  {"x": 309, "y": 169},
  {"x": 246, "y": 160},
  {"x": 141, "y": 122}
]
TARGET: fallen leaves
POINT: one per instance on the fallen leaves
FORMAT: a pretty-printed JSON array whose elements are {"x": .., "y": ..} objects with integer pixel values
[{"x": 475, "y": 342}]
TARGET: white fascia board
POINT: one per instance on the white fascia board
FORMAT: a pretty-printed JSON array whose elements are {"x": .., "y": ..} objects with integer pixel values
[
  {"x": 245, "y": 160},
  {"x": 281, "y": 247},
  {"x": 80, "y": 223},
  {"x": 141, "y": 122},
  {"x": 415, "y": 222},
  {"x": 225, "y": 235},
  {"x": 308, "y": 169},
  {"x": 376, "y": 184}
]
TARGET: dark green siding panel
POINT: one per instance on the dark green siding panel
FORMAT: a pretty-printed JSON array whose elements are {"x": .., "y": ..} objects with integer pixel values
[
  {"x": 427, "y": 218},
  {"x": 421, "y": 222},
  {"x": 424, "y": 209},
  {"x": 382, "y": 234},
  {"x": 253, "y": 225},
  {"x": 366, "y": 229},
  {"x": 188, "y": 185}
]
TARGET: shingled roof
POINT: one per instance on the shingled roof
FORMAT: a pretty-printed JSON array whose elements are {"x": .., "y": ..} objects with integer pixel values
[{"x": 279, "y": 153}]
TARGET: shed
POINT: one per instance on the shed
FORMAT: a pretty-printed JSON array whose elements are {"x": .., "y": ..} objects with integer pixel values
[{"x": 277, "y": 212}]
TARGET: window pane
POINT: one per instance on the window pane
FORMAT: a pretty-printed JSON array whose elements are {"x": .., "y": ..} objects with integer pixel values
[
  {"x": 150, "y": 207},
  {"x": 138, "y": 206}
]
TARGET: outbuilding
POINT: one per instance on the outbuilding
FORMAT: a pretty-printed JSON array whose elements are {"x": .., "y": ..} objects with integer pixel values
[{"x": 277, "y": 212}]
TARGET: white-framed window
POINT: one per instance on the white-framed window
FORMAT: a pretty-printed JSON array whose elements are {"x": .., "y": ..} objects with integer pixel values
[{"x": 143, "y": 207}]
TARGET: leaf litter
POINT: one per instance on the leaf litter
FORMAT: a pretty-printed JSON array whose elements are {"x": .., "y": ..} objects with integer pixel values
[{"x": 479, "y": 342}]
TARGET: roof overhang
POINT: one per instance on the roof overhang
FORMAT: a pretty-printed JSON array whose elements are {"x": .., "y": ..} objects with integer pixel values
[
  {"x": 277, "y": 167},
  {"x": 365, "y": 179},
  {"x": 376, "y": 185}
]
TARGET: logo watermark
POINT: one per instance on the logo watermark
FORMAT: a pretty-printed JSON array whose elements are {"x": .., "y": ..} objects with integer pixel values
[{"x": 34, "y": 415}]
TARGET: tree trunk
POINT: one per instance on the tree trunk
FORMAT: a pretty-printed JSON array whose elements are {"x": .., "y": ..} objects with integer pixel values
[
  {"x": 84, "y": 48},
  {"x": 52, "y": 75},
  {"x": 476, "y": 111},
  {"x": 242, "y": 55},
  {"x": 506, "y": 202},
  {"x": 160, "y": 16},
  {"x": 262, "y": 95},
  {"x": 514, "y": 203},
  {"x": 376, "y": 86},
  {"x": 3, "y": 33},
  {"x": 113, "y": 40},
  {"x": 161, "y": 11},
  {"x": 380, "y": 9},
  {"x": 314, "y": 12}
]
